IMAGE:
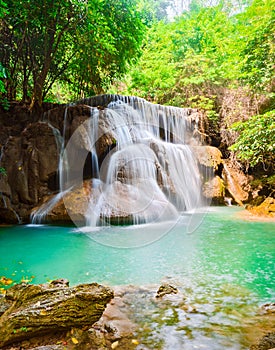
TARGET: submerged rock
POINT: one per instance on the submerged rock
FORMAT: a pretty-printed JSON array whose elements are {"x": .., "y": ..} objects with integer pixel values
[
  {"x": 166, "y": 289},
  {"x": 42, "y": 309},
  {"x": 266, "y": 343},
  {"x": 268, "y": 308}
]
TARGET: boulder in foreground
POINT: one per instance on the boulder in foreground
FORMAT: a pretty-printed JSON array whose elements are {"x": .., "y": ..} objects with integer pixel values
[{"x": 41, "y": 309}]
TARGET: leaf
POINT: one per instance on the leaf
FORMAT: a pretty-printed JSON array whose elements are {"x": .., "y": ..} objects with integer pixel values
[
  {"x": 74, "y": 340},
  {"x": 6, "y": 281}
]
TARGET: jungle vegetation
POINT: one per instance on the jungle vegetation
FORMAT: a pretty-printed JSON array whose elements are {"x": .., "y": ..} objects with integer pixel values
[{"x": 214, "y": 55}]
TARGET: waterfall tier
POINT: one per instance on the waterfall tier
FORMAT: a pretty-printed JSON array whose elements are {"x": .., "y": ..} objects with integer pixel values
[{"x": 132, "y": 158}]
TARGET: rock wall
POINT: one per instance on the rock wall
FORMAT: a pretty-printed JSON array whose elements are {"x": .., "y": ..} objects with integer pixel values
[{"x": 30, "y": 146}]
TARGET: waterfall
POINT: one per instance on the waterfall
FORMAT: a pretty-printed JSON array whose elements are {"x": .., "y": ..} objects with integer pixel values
[
  {"x": 39, "y": 215},
  {"x": 149, "y": 173},
  {"x": 92, "y": 134}
]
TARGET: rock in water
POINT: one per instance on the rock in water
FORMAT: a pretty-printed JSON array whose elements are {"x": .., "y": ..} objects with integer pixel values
[
  {"x": 41, "y": 309},
  {"x": 266, "y": 343},
  {"x": 166, "y": 289}
]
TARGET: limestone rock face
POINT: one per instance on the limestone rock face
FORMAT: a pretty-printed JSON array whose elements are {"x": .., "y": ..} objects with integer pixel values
[
  {"x": 29, "y": 159},
  {"x": 208, "y": 156},
  {"x": 214, "y": 190},
  {"x": 266, "y": 208},
  {"x": 236, "y": 182},
  {"x": 31, "y": 148},
  {"x": 222, "y": 177},
  {"x": 69, "y": 207},
  {"x": 41, "y": 309}
]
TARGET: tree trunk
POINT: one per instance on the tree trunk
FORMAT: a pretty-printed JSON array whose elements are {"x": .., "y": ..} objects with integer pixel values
[{"x": 37, "y": 95}]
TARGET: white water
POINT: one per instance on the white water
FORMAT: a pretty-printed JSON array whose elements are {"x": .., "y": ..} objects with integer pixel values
[
  {"x": 39, "y": 215},
  {"x": 149, "y": 174}
]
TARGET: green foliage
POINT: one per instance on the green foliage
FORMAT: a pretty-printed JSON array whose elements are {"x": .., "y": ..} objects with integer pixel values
[
  {"x": 189, "y": 62},
  {"x": 154, "y": 10},
  {"x": 83, "y": 45},
  {"x": 110, "y": 42},
  {"x": 153, "y": 77},
  {"x": 256, "y": 141},
  {"x": 3, "y": 9},
  {"x": 258, "y": 55},
  {"x": 207, "y": 104},
  {"x": 21, "y": 329},
  {"x": 268, "y": 182},
  {"x": 3, "y": 171},
  {"x": 3, "y": 76},
  {"x": 187, "y": 57}
]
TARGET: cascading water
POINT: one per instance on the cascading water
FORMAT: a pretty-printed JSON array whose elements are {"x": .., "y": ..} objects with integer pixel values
[
  {"x": 39, "y": 215},
  {"x": 149, "y": 173}
]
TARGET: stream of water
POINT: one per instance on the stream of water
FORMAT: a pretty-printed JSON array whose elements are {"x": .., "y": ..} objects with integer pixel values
[{"x": 225, "y": 269}]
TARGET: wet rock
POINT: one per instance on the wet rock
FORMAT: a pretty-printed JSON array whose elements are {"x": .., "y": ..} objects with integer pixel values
[
  {"x": 266, "y": 208},
  {"x": 236, "y": 182},
  {"x": 122, "y": 203},
  {"x": 115, "y": 321},
  {"x": 166, "y": 289},
  {"x": 40, "y": 309},
  {"x": 61, "y": 282},
  {"x": 29, "y": 160},
  {"x": 31, "y": 155},
  {"x": 268, "y": 308},
  {"x": 266, "y": 343},
  {"x": 4, "y": 304},
  {"x": 208, "y": 156},
  {"x": 8, "y": 216},
  {"x": 211, "y": 164},
  {"x": 214, "y": 190},
  {"x": 226, "y": 177}
]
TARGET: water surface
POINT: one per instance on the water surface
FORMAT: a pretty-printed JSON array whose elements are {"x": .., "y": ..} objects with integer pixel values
[{"x": 225, "y": 270}]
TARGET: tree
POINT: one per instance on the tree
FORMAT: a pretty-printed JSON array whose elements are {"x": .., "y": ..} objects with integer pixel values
[
  {"x": 3, "y": 73},
  {"x": 47, "y": 41},
  {"x": 256, "y": 141},
  {"x": 258, "y": 55},
  {"x": 155, "y": 10},
  {"x": 110, "y": 42},
  {"x": 187, "y": 57}
]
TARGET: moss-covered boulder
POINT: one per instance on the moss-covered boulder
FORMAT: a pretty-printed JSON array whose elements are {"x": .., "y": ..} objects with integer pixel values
[{"x": 42, "y": 309}]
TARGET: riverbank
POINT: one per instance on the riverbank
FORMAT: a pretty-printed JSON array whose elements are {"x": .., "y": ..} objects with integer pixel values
[
  {"x": 250, "y": 216},
  {"x": 121, "y": 327}
]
